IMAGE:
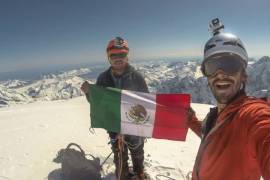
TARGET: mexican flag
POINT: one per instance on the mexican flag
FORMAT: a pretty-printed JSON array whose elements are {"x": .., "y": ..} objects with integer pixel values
[{"x": 161, "y": 116}]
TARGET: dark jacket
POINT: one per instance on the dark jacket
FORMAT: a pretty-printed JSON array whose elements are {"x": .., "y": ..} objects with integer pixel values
[
  {"x": 130, "y": 80},
  {"x": 134, "y": 81}
]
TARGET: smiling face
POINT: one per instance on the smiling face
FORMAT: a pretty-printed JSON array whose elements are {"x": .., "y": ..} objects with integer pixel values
[
  {"x": 224, "y": 87},
  {"x": 118, "y": 63}
]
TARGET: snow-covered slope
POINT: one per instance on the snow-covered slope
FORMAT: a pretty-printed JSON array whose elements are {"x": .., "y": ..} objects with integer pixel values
[
  {"x": 10, "y": 96},
  {"x": 32, "y": 134}
]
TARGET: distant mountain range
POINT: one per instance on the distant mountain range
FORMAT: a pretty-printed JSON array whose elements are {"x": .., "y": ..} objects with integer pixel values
[
  {"x": 186, "y": 78},
  {"x": 161, "y": 77},
  {"x": 50, "y": 87}
]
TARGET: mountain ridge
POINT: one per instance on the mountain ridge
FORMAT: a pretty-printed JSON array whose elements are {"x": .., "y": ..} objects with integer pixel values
[{"x": 161, "y": 77}]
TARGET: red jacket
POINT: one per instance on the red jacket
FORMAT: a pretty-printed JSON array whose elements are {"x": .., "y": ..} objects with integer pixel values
[{"x": 237, "y": 146}]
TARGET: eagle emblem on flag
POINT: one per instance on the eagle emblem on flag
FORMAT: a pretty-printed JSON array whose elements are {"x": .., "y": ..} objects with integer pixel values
[{"x": 137, "y": 114}]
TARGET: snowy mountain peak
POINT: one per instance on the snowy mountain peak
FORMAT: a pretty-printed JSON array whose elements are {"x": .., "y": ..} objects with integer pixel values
[
  {"x": 10, "y": 96},
  {"x": 14, "y": 83},
  {"x": 264, "y": 59},
  {"x": 67, "y": 74}
]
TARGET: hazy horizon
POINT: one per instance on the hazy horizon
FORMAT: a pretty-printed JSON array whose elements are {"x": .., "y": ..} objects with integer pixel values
[
  {"x": 34, "y": 73},
  {"x": 39, "y": 34}
]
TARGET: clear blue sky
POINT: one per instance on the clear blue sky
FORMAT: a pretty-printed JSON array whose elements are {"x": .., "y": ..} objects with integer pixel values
[{"x": 44, "y": 33}]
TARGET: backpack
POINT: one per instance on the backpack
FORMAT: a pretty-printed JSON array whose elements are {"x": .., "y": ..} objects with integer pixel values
[{"x": 75, "y": 165}]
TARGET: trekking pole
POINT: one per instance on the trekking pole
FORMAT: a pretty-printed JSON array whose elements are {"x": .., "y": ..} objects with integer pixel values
[{"x": 105, "y": 159}]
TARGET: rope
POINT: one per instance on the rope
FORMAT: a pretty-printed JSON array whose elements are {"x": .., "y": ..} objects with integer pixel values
[
  {"x": 121, "y": 142},
  {"x": 188, "y": 176},
  {"x": 120, "y": 153},
  {"x": 160, "y": 175},
  {"x": 92, "y": 130},
  {"x": 120, "y": 145}
]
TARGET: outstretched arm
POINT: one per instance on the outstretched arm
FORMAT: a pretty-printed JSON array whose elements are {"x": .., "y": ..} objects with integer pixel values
[
  {"x": 259, "y": 137},
  {"x": 193, "y": 123}
]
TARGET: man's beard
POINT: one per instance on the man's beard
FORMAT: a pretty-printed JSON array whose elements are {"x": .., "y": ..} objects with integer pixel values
[{"x": 226, "y": 98}]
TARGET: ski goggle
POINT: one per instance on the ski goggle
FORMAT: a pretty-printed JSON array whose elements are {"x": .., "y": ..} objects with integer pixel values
[
  {"x": 117, "y": 47},
  {"x": 229, "y": 64},
  {"x": 118, "y": 56}
]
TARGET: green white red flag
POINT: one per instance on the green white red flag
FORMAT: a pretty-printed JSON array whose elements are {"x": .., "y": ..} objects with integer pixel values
[{"x": 161, "y": 116}]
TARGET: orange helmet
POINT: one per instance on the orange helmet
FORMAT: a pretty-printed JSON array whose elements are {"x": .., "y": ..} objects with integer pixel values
[{"x": 117, "y": 46}]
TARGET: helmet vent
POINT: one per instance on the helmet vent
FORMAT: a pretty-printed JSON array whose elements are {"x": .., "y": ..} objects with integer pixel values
[
  {"x": 240, "y": 46},
  {"x": 230, "y": 43},
  {"x": 233, "y": 43},
  {"x": 209, "y": 47}
]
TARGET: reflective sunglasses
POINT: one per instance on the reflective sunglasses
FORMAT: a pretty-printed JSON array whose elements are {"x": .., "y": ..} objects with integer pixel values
[
  {"x": 229, "y": 64},
  {"x": 118, "y": 56}
]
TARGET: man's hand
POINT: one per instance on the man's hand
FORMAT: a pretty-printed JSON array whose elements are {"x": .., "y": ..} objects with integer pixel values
[
  {"x": 85, "y": 87},
  {"x": 190, "y": 114}
]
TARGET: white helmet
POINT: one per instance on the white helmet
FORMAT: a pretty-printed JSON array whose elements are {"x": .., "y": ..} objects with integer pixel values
[{"x": 223, "y": 43}]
